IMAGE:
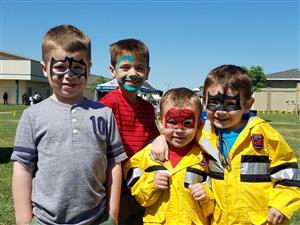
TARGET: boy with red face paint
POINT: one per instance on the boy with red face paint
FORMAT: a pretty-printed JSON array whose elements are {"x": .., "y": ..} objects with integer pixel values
[
  {"x": 135, "y": 117},
  {"x": 171, "y": 191},
  {"x": 254, "y": 173}
]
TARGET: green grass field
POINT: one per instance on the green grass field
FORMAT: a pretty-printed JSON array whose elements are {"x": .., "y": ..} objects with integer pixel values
[
  {"x": 287, "y": 124},
  {"x": 9, "y": 117}
]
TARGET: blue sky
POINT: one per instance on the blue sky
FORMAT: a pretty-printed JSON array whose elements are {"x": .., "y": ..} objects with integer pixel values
[{"x": 186, "y": 38}]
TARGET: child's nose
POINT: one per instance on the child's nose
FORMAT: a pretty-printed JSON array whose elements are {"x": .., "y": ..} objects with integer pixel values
[
  {"x": 70, "y": 73},
  {"x": 132, "y": 71},
  {"x": 180, "y": 128},
  {"x": 221, "y": 113},
  {"x": 221, "y": 108}
]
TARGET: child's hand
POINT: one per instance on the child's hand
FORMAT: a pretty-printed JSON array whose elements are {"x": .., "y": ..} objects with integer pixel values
[
  {"x": 160, "y": 149},
  {"x": 161, "y": 180},
  {"x": 275, "y": 217},
  {"x": 197, "y": 192}
]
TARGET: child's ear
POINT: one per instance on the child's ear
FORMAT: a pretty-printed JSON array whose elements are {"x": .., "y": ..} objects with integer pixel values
[
  {"x": 147, "y": 75},
  {"x": 44, "y": 68},
  {"x": 248, "y": 104},
  {"x": 112, "y": 71}
]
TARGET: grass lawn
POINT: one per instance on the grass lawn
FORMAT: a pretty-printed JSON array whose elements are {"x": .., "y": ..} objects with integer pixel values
[
  {"x": 287, "y": 124},
  {"x": 9, "y": 117}
]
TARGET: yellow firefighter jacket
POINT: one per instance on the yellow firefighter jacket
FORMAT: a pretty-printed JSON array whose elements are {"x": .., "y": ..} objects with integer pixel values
[
  {"x": 261, "y": 172},
  {"x": 174, "y": 206}
]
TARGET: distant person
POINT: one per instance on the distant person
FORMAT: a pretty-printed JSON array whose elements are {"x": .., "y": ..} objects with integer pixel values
[
  {"x": 172, "y": 192},
  {"x": 5, "y": 98},
  {"x": 25, "y": 99},
  {"x": 135, "y": 116},
  {"x": 68, "y": 151},
  {"x": 254, "y": 172},
  {"x": 36, "y": 98}
]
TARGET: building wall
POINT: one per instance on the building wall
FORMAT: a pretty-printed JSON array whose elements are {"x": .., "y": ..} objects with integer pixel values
[
  {"x": 282, "y": 84},
  {"x": 277, "y": 99},
  {"x": 37, "y": 72},
  {"x": 9, "y": 87},
  {"x": 15, "y": 69},
  {"x": 260, "y": 102}
]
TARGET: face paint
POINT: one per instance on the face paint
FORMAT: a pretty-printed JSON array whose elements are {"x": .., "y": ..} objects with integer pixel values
[
  {"x": 223, "y": 102},
  {"x": 60, "y": 68},
  {"x": 179, "y": 118},
  {"x": 129, "y": 58},
  {"x": 136, "y": 78}
]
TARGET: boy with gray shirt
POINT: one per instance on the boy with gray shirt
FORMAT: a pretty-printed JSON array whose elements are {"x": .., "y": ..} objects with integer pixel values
[{"x": 68, "y": 152}]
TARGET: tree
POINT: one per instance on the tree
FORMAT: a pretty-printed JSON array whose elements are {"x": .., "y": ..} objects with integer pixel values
[
  {"x": 100, "y": 80},
  {"x": 258, "y": 77},
  {"x": 201, "y": 88}
]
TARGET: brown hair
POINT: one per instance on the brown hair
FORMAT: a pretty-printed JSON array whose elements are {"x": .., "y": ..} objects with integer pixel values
[
  {"x": 68, "y": 37},
  {"x": 133, "y": 46},
  {"x": 229, "y": 76},
  {"x": 180, "y": 97}
]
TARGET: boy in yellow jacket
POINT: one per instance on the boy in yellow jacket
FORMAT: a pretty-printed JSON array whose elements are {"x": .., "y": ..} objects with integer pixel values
[
  {"x": 172, "y": 192},
  {"x": 254, "y": 173}
]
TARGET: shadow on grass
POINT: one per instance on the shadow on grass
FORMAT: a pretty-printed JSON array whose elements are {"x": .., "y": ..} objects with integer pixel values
[{"x": 5, "y": 154}]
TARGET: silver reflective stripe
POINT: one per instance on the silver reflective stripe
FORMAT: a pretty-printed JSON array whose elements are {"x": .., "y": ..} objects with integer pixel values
[
  {"x": 287, "y": 174},
  {"x": 252, "y": 118},
  {"x": 215, "y": 166},
  {"x": 136, "y": 173},
  {"x": 210, "y": 149},
  {"x": 192, "y": 178},
  {"x": 207, "y": 125},
  {"x": 254, "y": 168},
  {"x": 208, "y": 182}
]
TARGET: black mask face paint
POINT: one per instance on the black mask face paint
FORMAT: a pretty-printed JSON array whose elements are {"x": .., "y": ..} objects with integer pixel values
[
  {"x": 60, "y": 68},
  {"x": 223, "y": 102}
]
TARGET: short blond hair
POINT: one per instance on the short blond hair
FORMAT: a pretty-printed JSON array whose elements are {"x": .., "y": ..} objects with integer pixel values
[{"x": 68, "y": 37}]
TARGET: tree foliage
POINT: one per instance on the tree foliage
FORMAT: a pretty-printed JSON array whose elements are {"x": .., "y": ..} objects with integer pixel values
[
  {"x": 258, "y": 77},
  {"x": 100, "y": 80}
]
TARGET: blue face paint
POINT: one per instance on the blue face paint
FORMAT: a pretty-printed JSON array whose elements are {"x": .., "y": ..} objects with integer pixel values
[
  {"x": 136, "y": 77},
  {"x": 129, "y": 58},
  {"x": 129, "y": 88}
]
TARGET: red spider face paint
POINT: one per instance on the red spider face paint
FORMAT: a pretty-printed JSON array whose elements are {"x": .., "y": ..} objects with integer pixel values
[{"x": 179, "y": 118}]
